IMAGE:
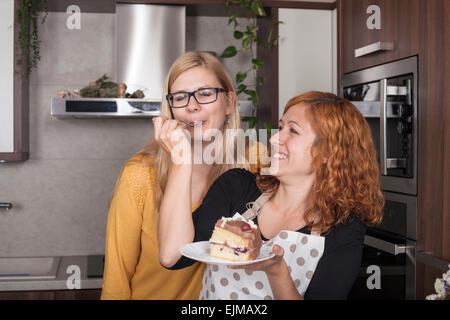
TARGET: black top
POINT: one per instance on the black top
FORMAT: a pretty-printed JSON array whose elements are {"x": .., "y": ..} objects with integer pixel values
[{"x": 340, "y": 262}]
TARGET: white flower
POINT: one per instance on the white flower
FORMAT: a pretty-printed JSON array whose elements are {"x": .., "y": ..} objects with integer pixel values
[
  {"x": 439, "y": 286},
  {"x": 446, "y": 276},
  {"x": 435, "y": 297},
  {"x": 431, "y": 297}
]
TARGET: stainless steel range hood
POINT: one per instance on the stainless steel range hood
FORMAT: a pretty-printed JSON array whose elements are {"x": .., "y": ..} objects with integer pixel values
[{"x": 149, "y": 38}]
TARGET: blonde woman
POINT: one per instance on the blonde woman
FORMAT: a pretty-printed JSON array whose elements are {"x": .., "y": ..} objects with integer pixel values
[{"x": 199, "y": 93}]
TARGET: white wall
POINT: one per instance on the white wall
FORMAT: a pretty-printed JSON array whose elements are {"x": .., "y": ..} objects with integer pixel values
[
  {"x": 7, "y": 76},
  {"x": 335, "y": 50},
  {"x": 307, "y": 52}
]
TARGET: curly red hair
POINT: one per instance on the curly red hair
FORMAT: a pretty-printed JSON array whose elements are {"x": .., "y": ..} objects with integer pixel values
[{"x": 349, "y": 181}]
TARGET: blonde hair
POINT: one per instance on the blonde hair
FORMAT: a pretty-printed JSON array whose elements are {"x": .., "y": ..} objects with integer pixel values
[{"x": 151, "y": 149}]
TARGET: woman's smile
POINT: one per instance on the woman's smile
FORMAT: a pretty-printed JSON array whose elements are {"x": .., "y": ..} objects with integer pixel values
[
  {"x": 280, "y": 156},
  {"x": 292, "y": 144}
]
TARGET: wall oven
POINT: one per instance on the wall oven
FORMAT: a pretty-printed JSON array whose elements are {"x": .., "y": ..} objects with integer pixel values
[
  {"x": 388, "y": 264},
  {"x": 387, "y": 97}
]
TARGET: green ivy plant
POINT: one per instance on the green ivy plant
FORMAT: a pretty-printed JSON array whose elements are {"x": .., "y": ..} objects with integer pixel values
[
  {"x": 248, "y": 81},
  {"x": 28, "y": 18}
]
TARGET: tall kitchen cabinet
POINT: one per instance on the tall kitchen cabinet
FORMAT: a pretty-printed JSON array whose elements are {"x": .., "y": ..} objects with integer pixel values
[
  {"x": 14, "y": 114},
  {"x": 412, "y": 28},
  {"x": 374, "y": 32}
]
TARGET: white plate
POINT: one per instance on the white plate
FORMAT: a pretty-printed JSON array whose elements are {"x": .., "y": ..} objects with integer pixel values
[{"x": 200, "y": 251}]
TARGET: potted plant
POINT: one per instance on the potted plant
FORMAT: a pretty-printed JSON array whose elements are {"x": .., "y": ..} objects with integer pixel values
[
  {"x": 442, "y": 287},
  {"x": 248, "y": 81},
  {"x": 28, "y": 18}
]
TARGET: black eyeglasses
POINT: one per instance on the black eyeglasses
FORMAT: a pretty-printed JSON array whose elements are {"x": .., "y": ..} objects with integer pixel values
[{"x": 202, "y": 96}]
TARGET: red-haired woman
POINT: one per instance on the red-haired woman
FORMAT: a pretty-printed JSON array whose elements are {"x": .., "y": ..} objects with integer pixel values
[{"x": 322, "y": 190}]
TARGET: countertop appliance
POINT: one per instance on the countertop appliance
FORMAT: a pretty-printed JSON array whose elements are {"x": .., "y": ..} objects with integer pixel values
[{"x": 387, "y": 97}]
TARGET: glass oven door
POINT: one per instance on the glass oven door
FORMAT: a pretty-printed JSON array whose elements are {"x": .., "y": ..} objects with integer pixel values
[
  {"x": 387, "y": 270},
  {"x": 366, "y": 97},
  {"x": 388, "y": 260}
]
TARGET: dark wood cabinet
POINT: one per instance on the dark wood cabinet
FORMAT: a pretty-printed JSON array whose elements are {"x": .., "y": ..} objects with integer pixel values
[
  {"x": 91, "y": 294},
  {"x": 397, "y": 22},
  {"x": 27, "y": 295},
  {"x": 86, "y": 294},
  {"x": 434, "y": 139},
  {"x": 417, "y": 28}
]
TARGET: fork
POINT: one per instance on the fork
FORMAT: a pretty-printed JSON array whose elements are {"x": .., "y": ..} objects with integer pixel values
[{"x": 188, "y": 123}]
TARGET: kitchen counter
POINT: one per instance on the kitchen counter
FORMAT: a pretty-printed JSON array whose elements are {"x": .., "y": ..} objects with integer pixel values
[{"x": 90, "y": 271}]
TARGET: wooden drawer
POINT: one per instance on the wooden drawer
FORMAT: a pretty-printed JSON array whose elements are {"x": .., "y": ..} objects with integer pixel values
[{"x": 91, "y": 294}]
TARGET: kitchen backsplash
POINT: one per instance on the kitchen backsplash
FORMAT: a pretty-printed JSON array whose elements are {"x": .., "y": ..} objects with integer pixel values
[{"x": 60, "y": 196}]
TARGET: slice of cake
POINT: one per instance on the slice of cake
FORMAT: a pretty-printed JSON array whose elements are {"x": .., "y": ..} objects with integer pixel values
[{"x": 235, "y": 240}]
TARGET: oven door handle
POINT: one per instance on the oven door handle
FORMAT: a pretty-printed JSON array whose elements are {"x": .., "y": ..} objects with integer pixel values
[
  {"x": 383, "y": 127},
  {"x": 385, "y": 246}
]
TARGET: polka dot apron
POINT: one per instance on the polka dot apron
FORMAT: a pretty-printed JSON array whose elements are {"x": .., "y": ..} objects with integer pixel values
[{"x": 302, "y": 253}]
